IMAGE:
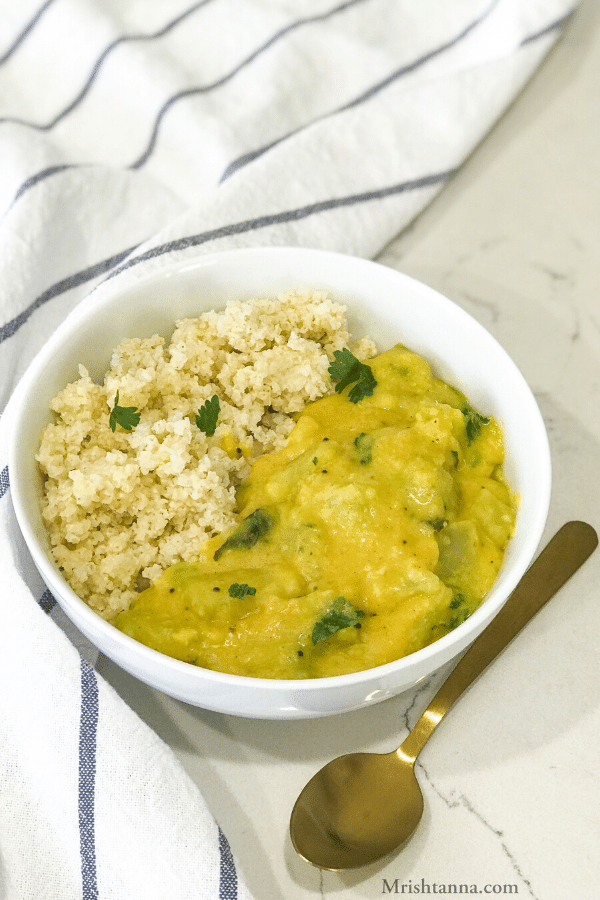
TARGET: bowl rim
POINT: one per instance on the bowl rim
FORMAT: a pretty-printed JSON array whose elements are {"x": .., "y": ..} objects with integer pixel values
[{"x": 107, "y": 293}]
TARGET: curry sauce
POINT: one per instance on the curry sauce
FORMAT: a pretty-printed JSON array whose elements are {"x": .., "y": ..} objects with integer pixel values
[{"x": 380, "y": 526}]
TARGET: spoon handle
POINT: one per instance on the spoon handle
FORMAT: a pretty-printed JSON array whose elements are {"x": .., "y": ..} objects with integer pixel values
[{"x": 565, "y": 553}]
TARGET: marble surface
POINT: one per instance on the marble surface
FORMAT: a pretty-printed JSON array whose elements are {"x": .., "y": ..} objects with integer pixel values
[{"x": 510, "y": 778}]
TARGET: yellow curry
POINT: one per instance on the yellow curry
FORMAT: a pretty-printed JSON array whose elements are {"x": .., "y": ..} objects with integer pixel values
[{"x": 380, "y": 526}]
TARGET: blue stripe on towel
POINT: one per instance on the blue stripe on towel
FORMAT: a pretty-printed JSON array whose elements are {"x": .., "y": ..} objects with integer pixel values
[
  {"x": 4, "y": 482},
  {"x": 60, "y": 287},
  {"x": 25, "y": 32},
  {"x": 47, "y": 126},
  {"x": 397, "y": 74},
  {"x": 195, "y": 240},
  {"x": 558, "y": 23},
  {"x": 256, "y": 54},
  {"x": 281, "y": 218},
  {"x": 227, "y": 873},
  {"x": 47, "y": 601},
  {"x": 88, "y": 727},
  {"x": 41, "y": 176}
]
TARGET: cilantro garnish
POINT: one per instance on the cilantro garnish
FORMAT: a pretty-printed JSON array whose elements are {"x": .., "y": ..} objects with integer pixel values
[
  {"x": 241, "y": 590},
  {"x": 206, "y": 420},
  {"x": 473, "y": 422},
  {"x": 345, "y": 369},
  {"x": 125, "y": 416},
  {"x": 456, "y": 601},
  {"x": 341, "y": 615}
]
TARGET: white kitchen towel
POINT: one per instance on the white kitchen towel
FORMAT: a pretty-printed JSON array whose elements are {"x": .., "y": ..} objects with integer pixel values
[{"x": 134, "y": 133}]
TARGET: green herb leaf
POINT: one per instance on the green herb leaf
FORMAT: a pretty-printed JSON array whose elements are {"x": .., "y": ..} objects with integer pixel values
[
  {"x": 456, "y": 601},
  {"x": 473, "y": 422},
  {"x": 206, "y": 420},
  {"x": 125, "y": 416},
  {"x": 341, "y": 615},
  {"x": 365, "y": 387},
  {"x": 346, "y": 369},
  {"x": 239, "y": 591},
  {"x": 248, "y": 533}
]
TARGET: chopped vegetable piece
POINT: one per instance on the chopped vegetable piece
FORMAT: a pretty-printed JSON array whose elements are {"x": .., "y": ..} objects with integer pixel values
[
  {"x": 364, "y": 446},
  {"x": 125, "y": 416},
  {"x": 438, "y": 523},
  {"x": 248, "y": 533},
  {"x": 206, "y": 420},
  {"x": 341, "y": 615},
  {"x": 345, "y": 369},
  {"x": 239, "y": 591}
]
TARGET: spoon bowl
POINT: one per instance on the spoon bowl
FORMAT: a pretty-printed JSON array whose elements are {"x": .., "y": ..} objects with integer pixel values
[
  {"x": 349, "y": 808},
  {"x": 363, "y": 806}
]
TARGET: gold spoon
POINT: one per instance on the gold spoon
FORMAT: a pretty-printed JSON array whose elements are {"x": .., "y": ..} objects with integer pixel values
[{"x": 363, "y": 806}]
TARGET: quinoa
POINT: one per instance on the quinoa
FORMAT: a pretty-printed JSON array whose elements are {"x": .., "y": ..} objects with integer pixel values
[{"x": 122, "y": 506}]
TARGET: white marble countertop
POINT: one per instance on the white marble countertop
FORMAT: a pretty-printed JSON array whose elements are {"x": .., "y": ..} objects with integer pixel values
[{"x": 510, "y": 779}]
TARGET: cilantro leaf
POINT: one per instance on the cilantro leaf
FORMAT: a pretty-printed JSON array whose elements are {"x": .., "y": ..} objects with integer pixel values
[
  {"x": 346, "y": 369},
  {"x": 206, "y": 420},
  {"x": 343, "y": 368},
  {"x": 473, "y": 422},
  {"x": 125, "y": 416},
  {"x": 456, "y": 601},
  {"x": 341, "y": 615},
  {"x": 365, "y": 387},
  {"x": 241, "y": 590}
]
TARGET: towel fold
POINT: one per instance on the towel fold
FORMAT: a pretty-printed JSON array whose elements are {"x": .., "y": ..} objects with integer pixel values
[{"x": 132, "y": 134}]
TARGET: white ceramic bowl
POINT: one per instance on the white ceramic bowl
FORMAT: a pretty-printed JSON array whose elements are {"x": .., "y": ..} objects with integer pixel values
[{"x": 382, "y": 303}]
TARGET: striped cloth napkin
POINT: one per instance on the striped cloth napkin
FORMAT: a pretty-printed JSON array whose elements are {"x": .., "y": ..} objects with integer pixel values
[{"x": 132, "y": 133}]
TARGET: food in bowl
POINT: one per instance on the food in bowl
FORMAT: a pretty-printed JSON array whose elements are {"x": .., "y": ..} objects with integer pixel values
[
  {"x": 363, "y": 532},
  {"x": 385, "y": 304}
]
